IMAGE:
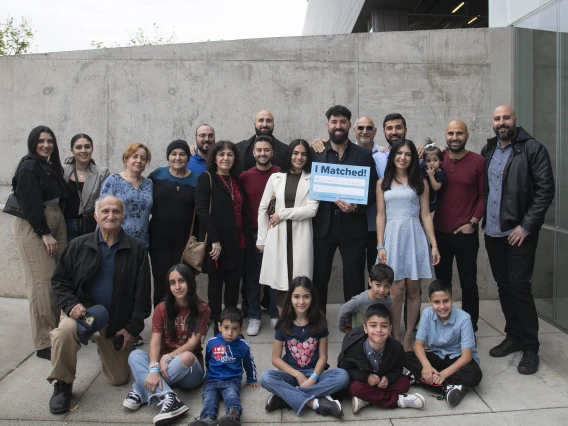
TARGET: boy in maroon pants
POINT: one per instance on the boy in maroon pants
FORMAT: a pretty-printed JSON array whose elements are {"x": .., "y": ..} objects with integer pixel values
[{"x": 374, "y": 362}]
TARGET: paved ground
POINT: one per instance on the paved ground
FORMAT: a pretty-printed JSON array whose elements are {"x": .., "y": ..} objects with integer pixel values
[{"x": 503, "y": 398}]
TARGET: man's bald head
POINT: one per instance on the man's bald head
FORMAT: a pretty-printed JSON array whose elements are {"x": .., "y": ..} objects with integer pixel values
[
  {"x": 456, "y": 136},
  {"x": 365, "y": 131},
  {"x": 264, "y": 123},
  {"x": 455, "y": 124},
  {"x": 504, "y": 122}
]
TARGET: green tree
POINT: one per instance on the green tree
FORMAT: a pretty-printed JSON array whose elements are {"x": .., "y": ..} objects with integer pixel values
[
  {"x": 15, "y": 38},
  {"x": 141, "y": 39}
]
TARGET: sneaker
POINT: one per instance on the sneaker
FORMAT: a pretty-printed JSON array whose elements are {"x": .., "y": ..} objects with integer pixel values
[
  {"x": 274, "y": 402},
  {"x": 232, "y": 418},
  {"x": 133, "y": 400},
  {"x": 60, "y": 401},
  {"x": 138, "y": 341},
  {"x": 453, "y": 394},
  {"x": 529, "y": 362},
  {"x": 411, "y": 400},
  {"x": 44, "y": 354},
  {"x": 172, "y": 408},
  {"x": 254, "y": 327},
  {"x": 273, "y": 322},
  {"x": 205, "y": 421},
  {"x": 505, "y": 348},
  {"x": 412, "y": 378},
  {"x": 329, "y": 406},
  {"x": 357, "y": 404}
]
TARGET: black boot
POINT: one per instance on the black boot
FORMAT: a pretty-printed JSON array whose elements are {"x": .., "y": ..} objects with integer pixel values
[
  {"x": 60, "y": 401},
  {"x": 44, "y": 353}
]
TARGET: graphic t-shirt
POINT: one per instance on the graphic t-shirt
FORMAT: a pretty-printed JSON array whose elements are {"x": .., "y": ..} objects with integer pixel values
[
  {"x": 169, "y": 344},
  {"x": 302, "y": 349}
]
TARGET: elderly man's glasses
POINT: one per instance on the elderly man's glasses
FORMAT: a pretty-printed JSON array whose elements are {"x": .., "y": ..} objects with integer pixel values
[{"x": 367, "y": 128}]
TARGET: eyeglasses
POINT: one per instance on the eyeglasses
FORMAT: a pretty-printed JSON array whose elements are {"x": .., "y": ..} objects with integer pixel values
[
  {"x": 203, "y": 135},
  {"x": 368, "y": 128}
]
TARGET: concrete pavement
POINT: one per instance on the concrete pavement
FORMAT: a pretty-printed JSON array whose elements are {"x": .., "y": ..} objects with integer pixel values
[{"x": 503, "y": 398}]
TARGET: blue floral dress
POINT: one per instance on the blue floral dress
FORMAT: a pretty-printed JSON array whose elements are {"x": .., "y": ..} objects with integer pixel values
[{"x": 137, "y": 203}]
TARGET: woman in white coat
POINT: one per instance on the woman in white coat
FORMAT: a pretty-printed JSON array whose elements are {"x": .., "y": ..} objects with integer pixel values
[{"x": 286, "y": 237}]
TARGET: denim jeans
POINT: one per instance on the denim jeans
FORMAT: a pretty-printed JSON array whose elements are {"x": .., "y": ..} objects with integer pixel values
[
  {"x": 254, "y": 289},
  {"x": 286, "y": 387},
  {"x": 214, "y": 390},
  {"x": 72, "y": 226},
  {"x": 180, "y": 375}
]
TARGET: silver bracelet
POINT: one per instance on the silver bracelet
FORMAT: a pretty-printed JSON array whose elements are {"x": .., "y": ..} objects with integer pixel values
[
  {"x": 154, "y": 364},
  {"x": 168, "y": 358}
]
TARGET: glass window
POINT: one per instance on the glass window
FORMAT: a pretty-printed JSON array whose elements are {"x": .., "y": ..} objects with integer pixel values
[
  {"x": 543, "y": 274},
  {"x": 562, "y": 176}
]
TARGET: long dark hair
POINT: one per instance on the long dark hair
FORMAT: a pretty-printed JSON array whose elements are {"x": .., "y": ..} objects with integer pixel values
[
  {"x": 316, "y": 318},
  {"x": 415, "y": 178},
  {"x": 71, "y": 160},
  {"x": 193, "y": 302},
  {"x": 219, "y": 146},
  {"x": 54, "y": 160},
  {"x": 287, "y": 162}
]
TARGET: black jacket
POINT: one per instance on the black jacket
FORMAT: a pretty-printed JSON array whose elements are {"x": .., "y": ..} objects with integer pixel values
[
  {"x": 35, "y": 182},
  {"x": 247, "y": 159},
  {"x": 221, "y": 225},
  {"x": 353, "y": 224},
  {"x": 528, "y": 183},
  {"x": 78, "y": 267},
  {"x": 353, "y": 360}
]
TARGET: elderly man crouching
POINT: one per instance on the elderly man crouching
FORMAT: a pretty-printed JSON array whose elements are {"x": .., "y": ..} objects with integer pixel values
[{"x": 107, "y": 268}]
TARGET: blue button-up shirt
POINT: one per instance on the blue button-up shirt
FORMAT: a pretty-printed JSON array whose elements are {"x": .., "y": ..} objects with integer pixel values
[
  {"x": 103, "y": 284},
  {"x": 450, "y": 337},
  {"x": 197, "y": 164},
  {"x": 495, "y": 179},
  {"x": 380, "y": 163},
  {"x": 373, "y": 358}
]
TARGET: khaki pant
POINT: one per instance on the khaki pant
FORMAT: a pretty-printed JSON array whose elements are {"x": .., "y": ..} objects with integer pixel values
[
  {"x": 38, "y": 269},
  {"x": 65, "y": 345}
]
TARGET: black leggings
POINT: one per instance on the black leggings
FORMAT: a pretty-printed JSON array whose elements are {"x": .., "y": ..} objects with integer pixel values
[{"x": 231, "y": 278}]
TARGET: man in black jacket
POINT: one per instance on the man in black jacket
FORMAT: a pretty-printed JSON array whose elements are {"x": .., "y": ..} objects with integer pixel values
[
  {"x": 108, "y": 268},
  {"x": 519, "y": 188},
  {"x": 342, "y": 224},
  {"x": 263, "y": 125}
]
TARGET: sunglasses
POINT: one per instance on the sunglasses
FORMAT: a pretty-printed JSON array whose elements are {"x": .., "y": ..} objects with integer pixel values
[{"x": 367, "y": 128}]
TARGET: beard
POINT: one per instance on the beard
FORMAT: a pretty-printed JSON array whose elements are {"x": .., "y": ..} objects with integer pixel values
[
  {"x": 338, "y": 139},
  {"x": 264, "y": 131},
  {"x": 391, "y": 142},
  {"x": 505, "y": 136},
  {"x": 263, "y": 161}
]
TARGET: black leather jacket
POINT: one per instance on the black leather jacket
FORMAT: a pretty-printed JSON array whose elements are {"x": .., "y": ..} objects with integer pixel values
[{"x": 528, "y": 183}]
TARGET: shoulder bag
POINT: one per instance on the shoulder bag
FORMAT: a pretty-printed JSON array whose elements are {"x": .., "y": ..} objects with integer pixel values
[
  {"x": 87, "y": 222},
  {"x": 13, "y": 206}
]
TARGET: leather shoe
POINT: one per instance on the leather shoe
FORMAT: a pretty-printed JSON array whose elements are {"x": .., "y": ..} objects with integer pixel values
[
  {"x": 44, "y": 353},
  {"x": 529, "y": 362},
  {"x": 505, "y": 348},
  {"x": 60, "y": 401}
]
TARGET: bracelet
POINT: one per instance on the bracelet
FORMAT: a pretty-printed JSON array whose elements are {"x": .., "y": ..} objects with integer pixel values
[
  {"x": 154, "y": 364},
  {"x": 380, "y": 248},
  {"x": 167, "y": 357},
  {"x": 314, "y": 376},
  {"x": 154, "y": 370}
]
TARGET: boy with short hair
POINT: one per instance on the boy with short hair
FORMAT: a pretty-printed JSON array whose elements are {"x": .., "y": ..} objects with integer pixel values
[
  {"x": 226, "y": 355},
  {"x": 453, "y": 362},
  {"x": 374, "y": 361},
  {"x": 352, "y": 313}
]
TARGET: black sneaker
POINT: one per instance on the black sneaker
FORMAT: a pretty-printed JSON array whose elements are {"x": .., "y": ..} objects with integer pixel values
[
  {"x": 60, "y": 401},
  {"x": 274, "y": 402},
  {"x": 205, "y": 421},
  {"x": 133, "y": 400},
  {"x": 529, "y": 362},
  {"x": 44, "y": 354},
  {"x": 329, "y": 406},
  {"x": 505, "y": 348},
  {"x": 412, "y": 378},
  {"x": 453, "y": 394},
  {"x": 172, "y": 408},
  {"x": 232, "y": 418}
]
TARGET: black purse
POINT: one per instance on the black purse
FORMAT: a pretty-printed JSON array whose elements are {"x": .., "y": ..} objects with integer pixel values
[
  {"x": 13, "y": 206},
  {"x": 87, "y": 222}
]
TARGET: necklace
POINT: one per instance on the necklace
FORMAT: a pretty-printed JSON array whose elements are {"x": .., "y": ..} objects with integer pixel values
[
  {"x": 298, "y": 324},
  {"x": 179, "y": 182},
  {"x": 227, "y": 185},
  {"x": 81, "y": 174}
]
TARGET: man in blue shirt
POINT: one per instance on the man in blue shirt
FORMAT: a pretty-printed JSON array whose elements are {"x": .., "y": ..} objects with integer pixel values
[{"x": 205, "y": 139}]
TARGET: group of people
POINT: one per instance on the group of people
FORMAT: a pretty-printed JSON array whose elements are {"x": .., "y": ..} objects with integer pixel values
[{"x": 85, "y": 238}]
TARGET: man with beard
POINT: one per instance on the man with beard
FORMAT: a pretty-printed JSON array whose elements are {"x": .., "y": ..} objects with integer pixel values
[
  {"x": 254, "y": 181},
  {"x": 342, "y": 224},
  {"x": 456, "y": 221},
  {"x": 263, "y": 126},
  {"x": 205, "y": 139},
  {"x": 519, "y": 189}
]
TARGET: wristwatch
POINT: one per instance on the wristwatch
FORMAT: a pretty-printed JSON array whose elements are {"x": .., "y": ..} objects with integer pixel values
[{"x": 473, "y": 224}]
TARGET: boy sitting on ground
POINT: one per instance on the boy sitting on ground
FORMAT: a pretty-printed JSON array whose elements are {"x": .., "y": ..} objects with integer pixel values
[
  {"x": 453, "y": 363},
  {"x": 374, "y": 361}
]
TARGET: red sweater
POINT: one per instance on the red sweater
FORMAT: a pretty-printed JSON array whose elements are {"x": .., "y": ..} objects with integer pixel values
[
  {"x": 462, "y": 193},
  {"x": 254, "y": 182}
]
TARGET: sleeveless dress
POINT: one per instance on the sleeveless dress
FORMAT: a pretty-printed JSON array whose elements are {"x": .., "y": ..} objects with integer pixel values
[{"x": 406, "y": 245}]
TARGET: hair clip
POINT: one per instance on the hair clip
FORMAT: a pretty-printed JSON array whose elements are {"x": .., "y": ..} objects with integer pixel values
[{"x": 430, "y": 145}]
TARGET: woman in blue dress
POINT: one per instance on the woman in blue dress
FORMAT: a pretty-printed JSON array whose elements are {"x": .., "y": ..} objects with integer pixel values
[{"x": 402, "y": 202}]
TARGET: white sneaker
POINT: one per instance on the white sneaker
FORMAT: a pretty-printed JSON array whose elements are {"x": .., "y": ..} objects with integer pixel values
[
  {"x": 357, "y": 404},
  {"x": 411, "y": 400},
  {"x": 273, "y": 322},
  {"x": 254, "y": 327}
]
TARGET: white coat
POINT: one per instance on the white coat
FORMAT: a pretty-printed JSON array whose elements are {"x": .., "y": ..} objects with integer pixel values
[{"x": 274, "y": 270}]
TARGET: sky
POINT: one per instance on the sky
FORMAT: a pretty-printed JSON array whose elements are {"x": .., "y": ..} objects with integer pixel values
[{"x": 62, "y": 25}]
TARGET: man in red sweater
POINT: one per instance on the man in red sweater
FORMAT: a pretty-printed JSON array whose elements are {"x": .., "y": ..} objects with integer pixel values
[
  {"x": 254, "y": 181},
  {"x": 456, "y": 221}
]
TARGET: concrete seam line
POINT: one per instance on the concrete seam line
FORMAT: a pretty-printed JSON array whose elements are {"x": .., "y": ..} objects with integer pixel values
[{"x": 16, "y": 367}]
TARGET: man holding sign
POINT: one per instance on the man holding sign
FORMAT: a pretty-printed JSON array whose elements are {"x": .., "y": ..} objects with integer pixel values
[{"x": 343, "y": 222}]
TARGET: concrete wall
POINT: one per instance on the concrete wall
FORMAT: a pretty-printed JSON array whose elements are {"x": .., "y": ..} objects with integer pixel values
[{"x": 160, "y": 93}]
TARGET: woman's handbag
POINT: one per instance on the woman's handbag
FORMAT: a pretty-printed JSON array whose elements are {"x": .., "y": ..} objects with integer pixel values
[
  {"x": 194, "y": 251},
  {"x": 87, "y": 222},
  {"x": 13, "y": 206},
  {"x": 271, "y": 206}
]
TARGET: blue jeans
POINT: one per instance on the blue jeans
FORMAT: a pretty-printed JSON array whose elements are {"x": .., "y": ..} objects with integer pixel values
[
  {"x": 254, "y": 288},
  {"x": 180, "y": 375},
  {"x": 286, "y": 387},
  {"x": 229, "y": 390}
]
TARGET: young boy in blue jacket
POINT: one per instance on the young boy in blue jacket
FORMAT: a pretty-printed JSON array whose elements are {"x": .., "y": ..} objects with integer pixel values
[{"x": 226, "y": 355}]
